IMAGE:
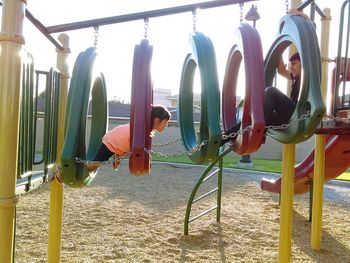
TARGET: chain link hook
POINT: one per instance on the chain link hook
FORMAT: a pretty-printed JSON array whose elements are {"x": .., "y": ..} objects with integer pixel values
[
  {"x": 146, "y": 20},
  {"x": 287, "y": 6},
  {"x": 96, "y": 28},
  {"x": 241, "y": 5},
  {"x": 194, "y": 19}
]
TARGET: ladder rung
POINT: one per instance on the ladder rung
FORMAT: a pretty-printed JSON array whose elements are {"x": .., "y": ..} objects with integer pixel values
[
  {"x": 204, "y": 195},
  {"x": 211, "y": 175},
  {"x": 202, "y": 214}
]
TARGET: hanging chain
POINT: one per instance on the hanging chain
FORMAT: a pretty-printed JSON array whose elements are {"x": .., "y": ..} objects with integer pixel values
[
  {"x": 167, "y": 143},
  {"x": 273, "y": 127},
  {"x": 287, "y": 6},
  {"x": 285, "y": 126},
  {"x": 235, "y": 134},
  {"x": 96, "y": 28},
  {"x": 146, "y": 20},
  {"x": 194, "y": 19},
  {"x": 232, "y": 135},
  {"x": 241, "y": 12},
  {"x": 109, "y": 161},
  {"x": 196, "y": 148}
]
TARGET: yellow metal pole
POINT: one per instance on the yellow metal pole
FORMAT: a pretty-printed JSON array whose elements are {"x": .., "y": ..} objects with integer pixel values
[
  {"x": 11, "y": 41},
  {"x": 317, "y": 198},
  {"x": 287, "y": 194},
  {"x": 56, "y": 194},
  {"x": 287, "y": 188},
  {"x": 319, "y": 165}
]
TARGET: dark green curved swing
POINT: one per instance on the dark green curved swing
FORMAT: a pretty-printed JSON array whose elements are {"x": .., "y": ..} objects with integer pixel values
[
  {"x": 300, "y": 32},
  {"x": 83, "y": 81},
  {"x": 203, "y": 57}
]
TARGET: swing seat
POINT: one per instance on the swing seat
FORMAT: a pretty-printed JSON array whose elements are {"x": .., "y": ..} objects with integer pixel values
[
  {"x": 203, "y": 57},
  {"x": 249, "y": 49},
  {"x": 140, "y": 111},
  {"x": 300, "y": 32},
  {"x": 83, "y": 81}
]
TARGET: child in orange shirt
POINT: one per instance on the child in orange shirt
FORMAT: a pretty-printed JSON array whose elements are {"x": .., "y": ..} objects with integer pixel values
[{"x": 117, "y": 141}]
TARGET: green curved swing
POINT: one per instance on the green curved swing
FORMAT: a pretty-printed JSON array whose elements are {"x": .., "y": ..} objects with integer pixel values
[
  {"x": 83, "y": 81},
  {"x": 300, "y": 32},
  {"x": 203, "y": 57}
]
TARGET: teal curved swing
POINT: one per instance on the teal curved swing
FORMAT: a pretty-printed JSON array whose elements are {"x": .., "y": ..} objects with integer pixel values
[
  {"x": 300, "y": 32},
  {"x": 203, "y": 57},
  {"x": 83, "y": 81}
]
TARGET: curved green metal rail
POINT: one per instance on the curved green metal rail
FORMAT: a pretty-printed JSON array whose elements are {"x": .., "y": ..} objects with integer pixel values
[{"x": 203, "y": 178}]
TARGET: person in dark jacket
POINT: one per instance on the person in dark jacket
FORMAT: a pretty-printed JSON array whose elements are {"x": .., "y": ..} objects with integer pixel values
[{"x": 278, "y": 107}]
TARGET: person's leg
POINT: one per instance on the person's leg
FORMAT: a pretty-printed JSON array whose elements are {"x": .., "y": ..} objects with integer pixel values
[
  {"x": 103, "y": 154},
  {"x": 278, "y": 108}
]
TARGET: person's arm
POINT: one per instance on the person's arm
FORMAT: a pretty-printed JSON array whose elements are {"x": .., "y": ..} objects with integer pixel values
[
  {"x": 283, "y": 70},
  {"x": 281, "y": 67}
]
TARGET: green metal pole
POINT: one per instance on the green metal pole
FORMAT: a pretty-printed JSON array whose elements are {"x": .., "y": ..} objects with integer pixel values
[
  {"x": 199, "y": 182},
  {"x": 218, "y": 197}
]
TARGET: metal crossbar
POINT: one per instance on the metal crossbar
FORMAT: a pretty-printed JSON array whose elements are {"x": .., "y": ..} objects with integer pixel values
[
  {"x": 205, "y": 195},
  {"x": 211, "y": 175},
  {"x": 141, "y": 15},
  {"x": 47, "y": 31},
  {"x": 203, "y": 213}
]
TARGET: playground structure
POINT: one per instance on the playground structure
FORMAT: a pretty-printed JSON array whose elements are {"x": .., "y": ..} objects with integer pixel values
[{"x": 210, "y": 132}]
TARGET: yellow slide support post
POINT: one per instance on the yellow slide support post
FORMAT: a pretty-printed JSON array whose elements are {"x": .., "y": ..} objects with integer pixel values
[
  {"x": 319, "y": 169},
  {"x": 287, "y": 190},
  {"x": 56, "y": 194},
  {"x": 11, "y": 41}
]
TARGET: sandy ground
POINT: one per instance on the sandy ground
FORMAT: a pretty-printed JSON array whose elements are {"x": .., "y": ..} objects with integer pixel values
[{"x": 123, "y": 218}]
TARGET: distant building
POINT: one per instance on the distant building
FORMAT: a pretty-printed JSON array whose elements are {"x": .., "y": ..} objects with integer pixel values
[
  {"x": 162, "y": 96},
  {"x": 175, "y": 98}
]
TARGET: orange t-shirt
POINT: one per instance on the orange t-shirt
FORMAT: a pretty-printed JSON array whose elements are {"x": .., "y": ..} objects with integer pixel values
[{"x": 117, "y": 140}]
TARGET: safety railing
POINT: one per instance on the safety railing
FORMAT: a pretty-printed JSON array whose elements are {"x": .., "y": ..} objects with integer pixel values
[
  {"x": 342, "y": 76},
  {"x": 27, "y": 179}
]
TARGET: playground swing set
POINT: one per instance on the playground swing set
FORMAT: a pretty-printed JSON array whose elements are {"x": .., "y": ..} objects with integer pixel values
[{"x": 63, "y": 146}]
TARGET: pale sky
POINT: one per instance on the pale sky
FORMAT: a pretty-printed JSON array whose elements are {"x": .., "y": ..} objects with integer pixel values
[{"x": 168, "y": 34}]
